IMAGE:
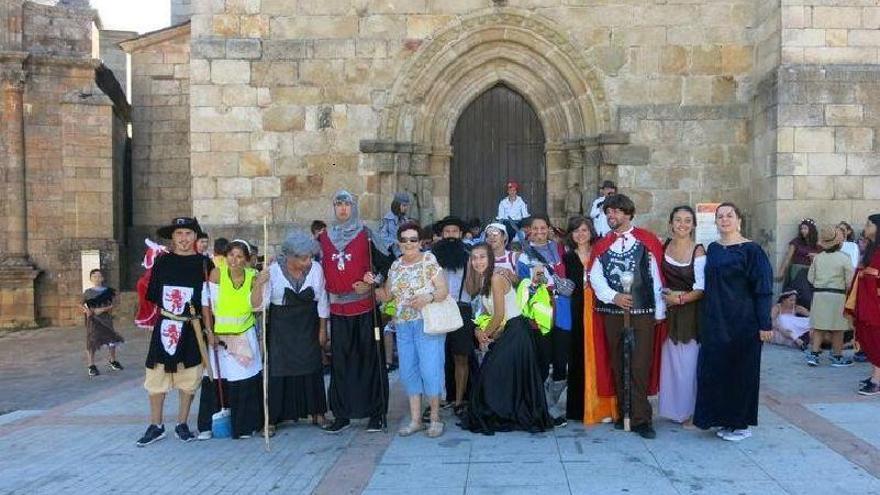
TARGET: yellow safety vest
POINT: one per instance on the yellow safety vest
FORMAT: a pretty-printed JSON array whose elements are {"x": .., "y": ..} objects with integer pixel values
[
  {"x": 537, "y": 307},
  {"x": 233, "y": 313}
]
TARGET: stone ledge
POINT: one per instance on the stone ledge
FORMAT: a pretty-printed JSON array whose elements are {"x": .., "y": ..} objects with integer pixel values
[
  {"x": 12, "y": 272},
  {"x": 378, "y": 146},
  {"x": 830, "y": 72},
  {"x": 62, "y": 61}
]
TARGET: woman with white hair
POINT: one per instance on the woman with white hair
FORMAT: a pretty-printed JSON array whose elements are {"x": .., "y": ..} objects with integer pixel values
[{"x": 293, "y": 289}]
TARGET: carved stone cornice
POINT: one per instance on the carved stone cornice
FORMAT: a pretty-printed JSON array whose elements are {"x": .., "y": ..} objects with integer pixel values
[{"x": 62, "y": 61}]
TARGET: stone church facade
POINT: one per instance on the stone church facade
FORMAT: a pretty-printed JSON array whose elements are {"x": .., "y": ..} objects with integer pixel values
[
  {"x": 252, "y": 109},
  {"x": 771, "y": 104}
]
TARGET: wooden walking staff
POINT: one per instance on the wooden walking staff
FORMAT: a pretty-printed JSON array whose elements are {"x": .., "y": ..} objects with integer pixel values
[
  {"x": 263, "y": 336},
  {"x": 626, "y": 280},
  {"x": 377, "y": 338}
]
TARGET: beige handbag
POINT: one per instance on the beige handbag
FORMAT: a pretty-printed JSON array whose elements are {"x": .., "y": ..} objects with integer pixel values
[{"x": 440, "y": 317}]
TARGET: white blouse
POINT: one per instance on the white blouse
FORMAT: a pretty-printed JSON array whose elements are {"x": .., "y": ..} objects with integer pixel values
[
  {"x": 852, "y": 250},
  {"x": 699, "y": 270},
  {"x": 315, "y": 279}
]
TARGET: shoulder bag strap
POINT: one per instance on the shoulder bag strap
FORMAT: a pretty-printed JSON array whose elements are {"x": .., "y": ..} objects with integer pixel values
[{"x": 461, "y": 287}]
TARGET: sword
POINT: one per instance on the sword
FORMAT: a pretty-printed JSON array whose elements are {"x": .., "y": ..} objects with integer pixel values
[
  {"x": 626, "y": 279},
  {"x": 203, "y": 351}
]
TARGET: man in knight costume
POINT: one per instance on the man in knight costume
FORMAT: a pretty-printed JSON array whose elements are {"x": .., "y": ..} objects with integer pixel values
[
  {"x": 630, "y": 249},
  {"x": 358, "y": 378},
  {"x": 174, "y": 358}
]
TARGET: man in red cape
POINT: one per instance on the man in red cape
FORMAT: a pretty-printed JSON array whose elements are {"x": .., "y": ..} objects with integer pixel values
[{"x": 628, "y": 248}]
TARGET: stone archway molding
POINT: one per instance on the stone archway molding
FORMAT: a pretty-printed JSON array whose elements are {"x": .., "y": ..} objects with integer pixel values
[{"x": 519, "y": 48}]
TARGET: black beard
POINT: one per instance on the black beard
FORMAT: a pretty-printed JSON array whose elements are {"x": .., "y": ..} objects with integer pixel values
[{"x": 451, "y": 254}]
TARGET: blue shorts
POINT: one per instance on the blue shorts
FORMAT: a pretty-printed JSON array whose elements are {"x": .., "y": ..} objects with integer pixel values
[{"x": 421, "y": 358}]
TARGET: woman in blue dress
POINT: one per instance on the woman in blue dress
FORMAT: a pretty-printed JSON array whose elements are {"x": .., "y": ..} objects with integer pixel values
[{"x": 735, "y": 320}]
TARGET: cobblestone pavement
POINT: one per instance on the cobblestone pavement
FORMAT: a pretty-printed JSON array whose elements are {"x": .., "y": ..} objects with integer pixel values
[{"x": 69, "y": 434}]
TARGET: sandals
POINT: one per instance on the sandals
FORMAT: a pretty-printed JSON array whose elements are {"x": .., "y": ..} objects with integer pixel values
[
  {"x": 411, "y": 428},
  {"x": 436, "y": 429}
]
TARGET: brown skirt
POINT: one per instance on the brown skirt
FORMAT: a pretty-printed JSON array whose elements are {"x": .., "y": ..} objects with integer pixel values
[
  {"x": 684, "y": 322},
  {"x": 100, "y": 332}
]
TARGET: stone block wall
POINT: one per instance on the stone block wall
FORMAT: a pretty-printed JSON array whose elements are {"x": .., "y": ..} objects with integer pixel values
[
  {"x": 813, "y": 130},
  {"x": 47, "y": 87},
  {"x": 161, "y": 174},
  {"x": 828, "y": 166},
  {"x": 760, "y": 206},
  {"x": 10, "y": 19},
  {"x": 696, "y": 154},
  {"x": 90, "y": 213},
  {"x": 830, "y": 32},
  {"x": 68, "y": 144},
  {"x": 160, "y": 147},
  {"x": 57, "y": 29},
  {"x": 284, "y": 91}
]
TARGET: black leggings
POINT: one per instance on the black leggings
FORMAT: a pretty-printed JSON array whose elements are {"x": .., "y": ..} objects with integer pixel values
[{"x": 554, "y": 349}]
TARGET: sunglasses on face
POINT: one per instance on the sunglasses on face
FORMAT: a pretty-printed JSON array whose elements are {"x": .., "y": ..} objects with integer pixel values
[{"x": 405, "y": 240}]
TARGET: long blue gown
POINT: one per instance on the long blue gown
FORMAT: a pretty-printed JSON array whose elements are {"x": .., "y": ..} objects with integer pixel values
[{"x": 735, "y": 307}]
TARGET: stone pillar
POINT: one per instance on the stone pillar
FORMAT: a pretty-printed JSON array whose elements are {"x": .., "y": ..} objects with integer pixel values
[
  {"x": 17, "y": 274},
  {"x": 13, "y": 128}
]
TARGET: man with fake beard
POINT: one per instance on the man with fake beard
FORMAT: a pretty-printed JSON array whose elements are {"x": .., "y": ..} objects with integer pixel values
[{"x": 452, "y": 255}]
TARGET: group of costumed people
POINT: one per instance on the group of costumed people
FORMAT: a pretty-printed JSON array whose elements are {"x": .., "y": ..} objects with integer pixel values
[
  {"x": 606, "y": 320},
  {"x": 205, "y": 332}
]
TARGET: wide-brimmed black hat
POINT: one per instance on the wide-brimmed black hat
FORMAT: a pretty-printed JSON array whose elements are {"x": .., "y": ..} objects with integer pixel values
[
  {"x": 450, "y": 220},
  {"x": 179, "y": 223}
]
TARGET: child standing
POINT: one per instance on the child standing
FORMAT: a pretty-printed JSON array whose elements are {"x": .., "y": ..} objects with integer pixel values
[
  {"x": 830, "y": 274},
  {"x": 97, "y": 306}
]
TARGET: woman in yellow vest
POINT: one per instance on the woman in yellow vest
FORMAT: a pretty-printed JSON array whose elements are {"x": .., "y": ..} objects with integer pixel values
[{"x": 231, "y": 329}]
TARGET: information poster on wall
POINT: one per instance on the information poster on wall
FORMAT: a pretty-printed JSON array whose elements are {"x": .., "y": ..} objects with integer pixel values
[{"x": 706, "y": 231}]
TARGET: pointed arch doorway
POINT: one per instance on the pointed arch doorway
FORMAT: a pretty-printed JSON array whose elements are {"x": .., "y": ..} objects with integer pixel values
[{"x": 497, "y": 138}]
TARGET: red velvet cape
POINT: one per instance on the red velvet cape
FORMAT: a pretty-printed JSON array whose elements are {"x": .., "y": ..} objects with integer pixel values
[{"x": 605, "y": 379}]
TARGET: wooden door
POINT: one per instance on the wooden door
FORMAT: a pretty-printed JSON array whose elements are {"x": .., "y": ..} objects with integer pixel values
[{"x": 498, "y": 138}]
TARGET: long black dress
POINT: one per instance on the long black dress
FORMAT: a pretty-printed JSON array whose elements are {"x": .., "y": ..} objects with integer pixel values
[
  {"x": 508, "y": 393},
  {"x": 296, "y": 378},
  {"x": 735, "y": 307},
  {"x": 574, "y": 402}
]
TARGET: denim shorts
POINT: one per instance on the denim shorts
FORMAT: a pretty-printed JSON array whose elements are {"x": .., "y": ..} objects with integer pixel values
[{"x": 421, "y": 358}]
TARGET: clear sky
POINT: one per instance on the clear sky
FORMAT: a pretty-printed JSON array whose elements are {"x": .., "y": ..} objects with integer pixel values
[{"x": 134, "y": 15}]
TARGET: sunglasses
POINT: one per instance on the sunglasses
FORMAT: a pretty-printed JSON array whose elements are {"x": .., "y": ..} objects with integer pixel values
[{"x": 404, "y": 240}]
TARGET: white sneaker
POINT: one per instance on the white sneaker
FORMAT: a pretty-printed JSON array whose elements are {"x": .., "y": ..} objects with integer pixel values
[
  {"x": 205, "y": 435},
  {"x": 722, "y": 431},
  {"x": 737, "y": 435}
]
